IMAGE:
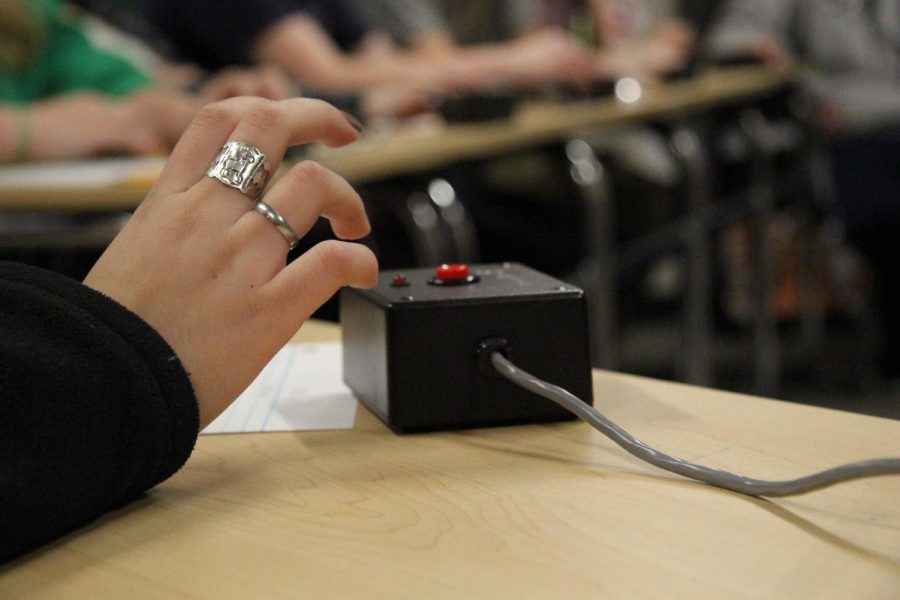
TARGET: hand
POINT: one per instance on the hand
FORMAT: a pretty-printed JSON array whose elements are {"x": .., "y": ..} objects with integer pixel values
[
  {"x": 396, "y": 102},
  {"x": 551, "y": 54},
  {"x": 86, "y": 124},
  {"x": 659, "y": 57},
  {"x": 645, "y": 59},
  {"x": 209, "y": 272},
  {"x": 168, "y": 112},
  {"x": 536, "y": 58},
  {"x": 676, "y": 32},
  {"x": 773, "y": 54},
  {"x": 265, "y": 81}
]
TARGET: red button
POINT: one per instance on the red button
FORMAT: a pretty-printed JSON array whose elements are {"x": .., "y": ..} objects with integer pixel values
[{"x": 453, "y": 272}]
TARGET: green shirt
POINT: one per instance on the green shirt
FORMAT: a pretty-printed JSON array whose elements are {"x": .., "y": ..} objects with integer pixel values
[{"x": 67, "y": 62}]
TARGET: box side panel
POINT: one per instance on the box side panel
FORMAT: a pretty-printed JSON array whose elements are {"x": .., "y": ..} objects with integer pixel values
[
  {"x": 364, "y": 333},
  {"x": 436, "y": 383}
]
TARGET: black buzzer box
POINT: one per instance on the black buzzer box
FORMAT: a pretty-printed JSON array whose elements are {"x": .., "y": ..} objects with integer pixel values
[{"x": 414, "y": 346}]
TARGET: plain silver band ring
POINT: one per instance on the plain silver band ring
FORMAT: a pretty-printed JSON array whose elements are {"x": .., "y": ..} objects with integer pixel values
[{"x": 278, "y": 221}]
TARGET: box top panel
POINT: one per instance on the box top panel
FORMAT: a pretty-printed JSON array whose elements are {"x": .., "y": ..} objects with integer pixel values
[{"x": 463, "y": 284}]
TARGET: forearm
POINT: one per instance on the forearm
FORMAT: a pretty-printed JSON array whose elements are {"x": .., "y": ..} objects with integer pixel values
[
  {"x": 545, "y": 55},
  {"x": 304, "y": 51},
  {"x": 484, "y": 65},
  {"x": 433, "y": 44},
  {"x": 70, "y": 127},
  {"x": 86, "y": 124}
]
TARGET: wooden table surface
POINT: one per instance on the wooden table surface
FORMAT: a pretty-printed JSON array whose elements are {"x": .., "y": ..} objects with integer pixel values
[
  {"x": 550, "y": 511},
  {"x": 381, "y": 156}
]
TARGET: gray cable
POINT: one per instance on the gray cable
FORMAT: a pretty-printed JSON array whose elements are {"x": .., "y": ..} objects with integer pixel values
[{"x": 712, "y": 476}]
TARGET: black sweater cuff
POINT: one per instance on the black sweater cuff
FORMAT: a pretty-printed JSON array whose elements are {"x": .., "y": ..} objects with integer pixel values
[{"x": 95, "y": 407}]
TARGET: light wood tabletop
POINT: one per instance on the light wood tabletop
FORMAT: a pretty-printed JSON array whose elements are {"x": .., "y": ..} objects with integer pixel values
[
  {"x": 545, "y": 511},
  {"x": 378, "y": 156}
]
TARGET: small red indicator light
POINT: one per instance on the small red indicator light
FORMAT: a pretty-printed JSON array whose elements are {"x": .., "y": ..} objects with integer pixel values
[{"x": 400, "y": 280}]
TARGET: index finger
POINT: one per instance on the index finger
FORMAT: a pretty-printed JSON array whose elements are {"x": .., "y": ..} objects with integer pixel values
[{"x": 270, "y": 125}]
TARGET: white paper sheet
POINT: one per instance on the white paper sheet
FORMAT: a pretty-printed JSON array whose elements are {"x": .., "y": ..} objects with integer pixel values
[{"x": 301, "y": 389}]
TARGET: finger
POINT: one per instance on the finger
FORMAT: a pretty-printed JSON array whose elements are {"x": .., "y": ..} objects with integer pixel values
[
  {"x": 200, "y": 143},
  {"x": 271, "y": 126},
  {"x": 306, "y": 192},
  {"x": 315, "y": 276}
]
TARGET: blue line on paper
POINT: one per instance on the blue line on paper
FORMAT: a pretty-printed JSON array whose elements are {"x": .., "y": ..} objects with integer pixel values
[{"x": 277, "y": 395}]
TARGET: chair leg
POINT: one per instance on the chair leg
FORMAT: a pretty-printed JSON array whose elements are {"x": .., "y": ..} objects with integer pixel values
[
  {"x": 697, "y": 364},
  {"x": 460, "y": 229},
  {"x": 597, "y": 272},
  {"x": 766, "y": 343}
]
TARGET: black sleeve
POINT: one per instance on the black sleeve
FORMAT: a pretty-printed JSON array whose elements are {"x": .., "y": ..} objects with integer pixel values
[
  {"x": 95, "y": 408},
  {"x": 220, "y": 33},
  {"x": 341, "y": 19},
  {"x": 217, "y": 33}
]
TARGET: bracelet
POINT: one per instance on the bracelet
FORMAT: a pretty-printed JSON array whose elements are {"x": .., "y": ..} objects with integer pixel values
[{"x": 23, "y": 140}]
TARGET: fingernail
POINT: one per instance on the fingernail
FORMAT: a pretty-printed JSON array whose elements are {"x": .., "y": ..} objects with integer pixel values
[{"x": 354, "y": 122}]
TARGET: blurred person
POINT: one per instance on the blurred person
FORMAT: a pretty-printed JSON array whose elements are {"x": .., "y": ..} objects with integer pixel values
[
  {"x": 645, "y": 36},
  {"x": 495, "y": 42},
  {"x": 44, "y": 57},
  {"x": 320, "y": 44},
  {"x": 646, "y": 39},
  {"x": 438, "y": 28},
  {"x": 848, "y": 58},
  {"x": 649, "y": 41},
  {"x": 105, "y": 385},
  {"x": 62, "y": 97},
  {"x": 616, "y": 38},
  {"x": 327, "y": 46},
  {"x": 848, "y": 52}
]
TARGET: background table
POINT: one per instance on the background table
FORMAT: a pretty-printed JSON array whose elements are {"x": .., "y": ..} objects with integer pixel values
[
  {"x": 88, "y": 186},
  {"x": 379, "y": 157},
  {"x": 553, "y": 511},
  {"x": 543, "y": 122}
]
